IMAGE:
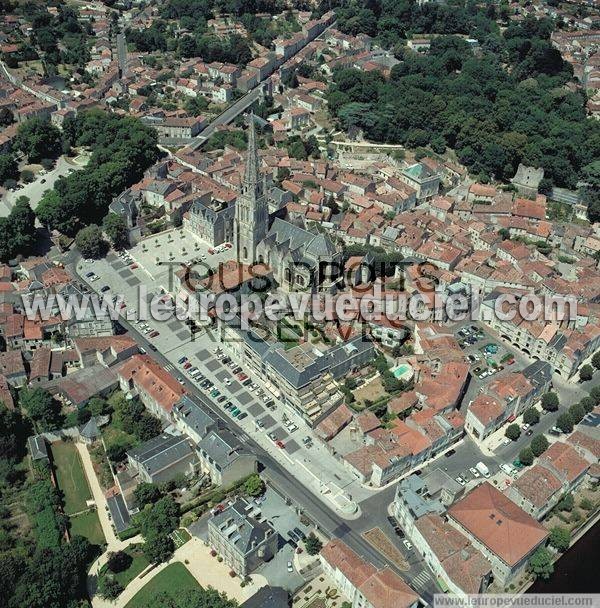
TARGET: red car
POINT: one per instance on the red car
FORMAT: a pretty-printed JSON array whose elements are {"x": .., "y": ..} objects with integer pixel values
[
  {"x": 242, "y": 376},
  {"x": 154, "y": 334},
  {"x": 187, "y": 365},
  {"x": 134, "y": 266},
  {"x": 280, "y": 444},
  {"x": 123, "y": 305}
]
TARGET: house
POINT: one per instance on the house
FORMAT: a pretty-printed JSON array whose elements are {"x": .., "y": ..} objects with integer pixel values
[
  {"x": 423, "y": 179},
  {"x": 13, "y": 368},
  {"x": 224, "y": 458},
  {"x": 361, "y": 582},
  {"x": 485, "y": 414},
  {"x": 527, "y": 180},
  {"x": 38, "y": 450},
  {"x": 505, "y": 534},
  {"x": 268, "y": 597},
  {"x": 241, "y": 536},
  {"x": 158, "y": 390},
  {"x": 162, "y": 458}
]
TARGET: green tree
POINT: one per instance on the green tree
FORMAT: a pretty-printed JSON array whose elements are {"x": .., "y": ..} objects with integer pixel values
[
  {"x": 41, "y": 407},
  {"x": 586, "y": 373},
  {"x": 531, "y": 416},
  {"x": 8, "y": 168},
  {"x": 596, "y": 360},
  {"x": 90, "y": 242},
  {"x": 540, "y": 564},
  {"x": 38, "y": 138},
  {"x": 526, "y": 456},
  {"x": 513, "y": 432},
  {"x": 158, "y": 548},
  {"x": 146, "y": 494},
  {"x": 595, "y": 394},
  {"x": 577, "y": 412},
  {"x": 109, "y": 587},
  {"x": 566, "y": 503},
  {"x": 313, "y": 544},
  {"x": 115, "y": 229},
  {"x": 254, "y": 486},
  {"x": 560, "y": 538},
  {"x": 550, "y": 401},
  {"x": 539, "y": 444},
  {"x": 565, "y": 422},
  {"x": 118, "y": 561}
]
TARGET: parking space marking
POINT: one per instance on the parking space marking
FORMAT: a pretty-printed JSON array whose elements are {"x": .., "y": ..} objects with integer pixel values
[
  {"x": 244, "y": 398},
  {"x": 291, "y": 447},
  {"x": 212, "y": 365},
  {"x": 268, "y": 421},
  {"x": 255, "y": 410}
]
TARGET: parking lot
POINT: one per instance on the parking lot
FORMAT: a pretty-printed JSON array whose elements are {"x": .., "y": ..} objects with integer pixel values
[{"x": 278, "y": 430}]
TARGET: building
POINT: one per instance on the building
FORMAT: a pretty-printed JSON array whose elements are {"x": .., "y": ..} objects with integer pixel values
[
  {"x": 361, "y": 582},
  {"x": 224, "y": 458},
  {"x": 38, "y": 450},
  {"x": 242, "y": 538},
  {"x": 499, "y": 529},
  {"x": 163, "y": 458},
  {"x": 269, "y": 597},
  {"x": 527, "y": 180},
  {"x": 211, "y": 220},
  {"x": 423, "y": 179},
  {"x": 296, "y": 256}
]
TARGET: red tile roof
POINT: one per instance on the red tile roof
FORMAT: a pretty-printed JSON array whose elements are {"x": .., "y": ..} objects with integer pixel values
[{"x": 498, "y": 523}]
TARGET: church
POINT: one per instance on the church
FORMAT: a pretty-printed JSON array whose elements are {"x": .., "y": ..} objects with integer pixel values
[{"x": 299, "y": 259}]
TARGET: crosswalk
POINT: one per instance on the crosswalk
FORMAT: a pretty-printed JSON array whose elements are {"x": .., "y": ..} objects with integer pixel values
[
  {"x": 169, "y": 367},
  {"x": 422, "y": 579}
]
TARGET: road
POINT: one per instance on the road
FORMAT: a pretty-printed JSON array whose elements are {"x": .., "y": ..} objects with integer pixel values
[{"x": 122, "y": 53}]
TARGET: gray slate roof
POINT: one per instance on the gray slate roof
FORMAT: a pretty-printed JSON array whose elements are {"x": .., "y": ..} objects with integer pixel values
[{"x": 161, "y": 452}]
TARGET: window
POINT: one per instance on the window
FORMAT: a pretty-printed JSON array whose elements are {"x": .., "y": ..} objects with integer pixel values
[{"x": 245, "y": 253}]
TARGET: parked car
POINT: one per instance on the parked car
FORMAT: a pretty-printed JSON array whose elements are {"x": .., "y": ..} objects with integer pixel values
[
  {"x": 242, "y": 416},
  {"x": 105, "y": 289},
  {"x": 407, "y": 544},
  {"x": 474, "y": 472},
  {"x": 280, "y": 444},
  {"x": 460, "y": 480},
  {"x": 154, "y": 334},
  {"x": 182, "y": 360}
]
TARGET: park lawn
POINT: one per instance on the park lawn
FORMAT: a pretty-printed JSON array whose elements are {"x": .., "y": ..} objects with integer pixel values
[
  {"x": 88, "y": 525},
  {"x": 175, "y": 578},
  {"x": 70, "y": 476},
  {"x": 138, "y": 564}
]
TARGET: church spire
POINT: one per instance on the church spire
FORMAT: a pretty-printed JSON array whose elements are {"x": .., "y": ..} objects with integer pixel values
[{"x": 252, "y": 174}]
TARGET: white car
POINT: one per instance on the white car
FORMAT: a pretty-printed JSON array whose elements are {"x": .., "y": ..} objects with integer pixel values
[
  {"x": 460, "y": 480},
  {"x": 407, "y": 544},
  {"x": 290, "y": 567},
  {"x": 227, "y": 382},
  {"x": 474, "y": 472}
]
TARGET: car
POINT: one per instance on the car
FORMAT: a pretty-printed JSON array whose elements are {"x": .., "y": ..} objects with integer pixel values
[
  {"x": 227, "y": 382},
  {"x": 260, "y": 424},
  {"x": 154, "y": 334},
  {"x": 460, "y": 480},
  {"x": 181, "y": 380},
  {"x": 235, "y": 412},
  {"x": 89, "y": 275},
  {"x": 474, "y": 472},
  {"x": 393, "y": 521},
  {"x": 221, "y": 399},
  {"x": 555, "y": 431},
  {"x": 43, "y": 181},
  {"x": 241, "y": 376},
  {"x": 399, "y": 532},
  {"x": 450, "y": 453},
  {"x": 246, "y": 382},
  {"x": 236, "y": 370},
  {"x": 192, "y": 370},
  {"x": 292, "y": 427},
  {"x": 280, "y": 444},
  {"x": 95, "y": 278},
  {"x": 307, "y": 441},
  {"x": 152, "y": 347},
  {"x": 525, "y": 427},
  {"x": 292, "y": 534},
  {"x": 407, "y": 544},
  {"x": 529, "y": 432},
  {"x": 182, "y": 360},
  {"x": 506, "y": 441},
  {"x": 300, "y": 534},
  {"x": 229, "y": 406},
  {"x": 215, "y": 393},
  {"x": 242, "y": 416},
  {"x": 105, "y": 288},
  {"x": 187, "y": 365},
  {"x": 272, "y": 437}
]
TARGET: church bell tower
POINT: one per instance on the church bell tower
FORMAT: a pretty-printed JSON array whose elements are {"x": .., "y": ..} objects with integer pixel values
[{"x": 251, "y": 219}]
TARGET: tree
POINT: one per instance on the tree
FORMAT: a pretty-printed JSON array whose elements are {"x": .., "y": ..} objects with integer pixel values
[
  {"x": 27, "y": 176},
  {"x": 540, "y": 564},
  {"x": 8, "y": 168},
  {"x": 116, "y": 230},
  {"x": 566, "y": 503},
  {"x": 550, "y": 401},
  {"x": 586, "y": 373},
  {"x": 6, "y": 117},
  {"x": 254, "y": 486},
  {"x": 513, "y": 432},
  {"x": 90, "y": 242},
  {"x": 596, "y": 360},
  {"x": 588, "y": 404},
  {"x": 118, "y": 561},
  {"x": 146, "y": 494},
  {"x": 560, "y": 538},
  {"x": 38, "y": 138},
  {"x": 41, "y": 407},
  {"x": 539, "y": 444},
  {"x": 564, "y": 422},
  {"x": 531, "y": 416},
  {"x": 158, "y": 548},
  {"x": 595, "y": 394},
  {"x": 577, "y": 413},
  {"x": 313, "y": 544},
  {"x": 109, "y": 587},
  {"x": 526, "y": 456}
]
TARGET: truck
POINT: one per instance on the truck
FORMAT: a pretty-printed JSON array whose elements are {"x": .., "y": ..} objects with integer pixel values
[{"x": 483, "y": 469}]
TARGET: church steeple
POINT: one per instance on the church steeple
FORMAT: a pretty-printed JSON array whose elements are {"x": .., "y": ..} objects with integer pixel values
[
  {"x": 252, "y": 181},
  {"x": 251, "y": 218}
]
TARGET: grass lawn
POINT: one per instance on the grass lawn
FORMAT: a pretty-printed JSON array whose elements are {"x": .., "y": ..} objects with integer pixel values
[
  {"x": 138, "y": 564},
  {"x": 71, "y": 476},
  {"x": 175, "y": 578},
  {"x": 88, "y": 525}
]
